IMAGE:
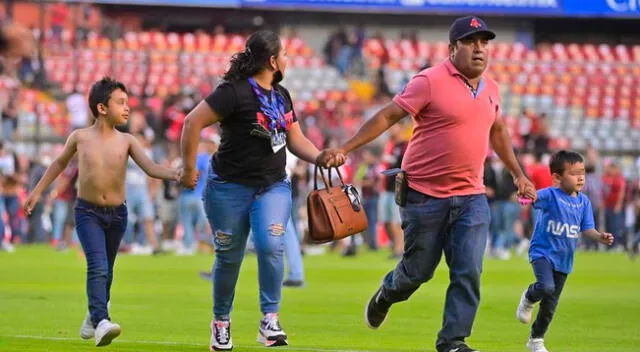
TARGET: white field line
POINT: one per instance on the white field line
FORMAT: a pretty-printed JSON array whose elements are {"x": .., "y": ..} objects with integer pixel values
[{"x": 173, "y": 343}]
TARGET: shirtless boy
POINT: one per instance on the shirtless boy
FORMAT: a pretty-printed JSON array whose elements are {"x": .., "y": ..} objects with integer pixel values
[{"x": 100, "y": 211}]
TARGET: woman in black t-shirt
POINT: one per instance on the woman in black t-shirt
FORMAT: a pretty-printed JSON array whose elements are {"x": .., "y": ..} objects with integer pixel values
[{"x": 248, "y": 187}]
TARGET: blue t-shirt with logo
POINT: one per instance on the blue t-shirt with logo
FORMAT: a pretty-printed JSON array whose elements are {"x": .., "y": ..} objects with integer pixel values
[{"x": 560, "y": 220}]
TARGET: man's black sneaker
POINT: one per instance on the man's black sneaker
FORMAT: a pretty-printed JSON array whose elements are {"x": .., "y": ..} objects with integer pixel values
[
  {"x": 376, "y": 310},
  {"x": 460, "y": 347}
]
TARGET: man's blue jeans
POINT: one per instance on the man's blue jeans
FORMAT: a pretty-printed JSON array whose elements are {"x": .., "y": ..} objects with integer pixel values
[
  {"x": 457, "y": 226},
  {"x": 233, "y": 209},
  {"x": 100, "y": 230}
]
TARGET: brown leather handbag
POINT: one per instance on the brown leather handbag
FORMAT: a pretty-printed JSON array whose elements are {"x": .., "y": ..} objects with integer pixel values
[{"x": 334, "y": 212}]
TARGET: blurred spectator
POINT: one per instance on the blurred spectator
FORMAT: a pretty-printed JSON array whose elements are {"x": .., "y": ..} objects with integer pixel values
[
  {"x": 388, "y": 210},
  {"x": 334, "y": 44},
  {"x": 59, "y": 15},
  {"x": 504, "y": 207},
  {"x": 614, "y": 192},
  {"x": 83, "y": 22},
  {"x": 300, "y": 186},
  {"x": 593, "y": 189},
  {"x": 540, "y": 135},
  {"x": 313, "y": 132},
  {"x": 357, "y": 43},
  {"x": 78, "y": 108},
  {"x": 190, "y": 206},
  {"x": 141, "y": 212},
  {"x": 635, "y": 205},
  {"x": 381, "y": 83},
  {"x": 540, "y": 173},
  {"x": 36, "y": 231},
  {"x": 63, "y": 198},
  {"x": 366, "y": 178},
  {"x": 168, "y": 202},
  {"x": 10, "y": 116},
  {"x": 525, "y": 127},
  {"x": 12, "y": 179}
]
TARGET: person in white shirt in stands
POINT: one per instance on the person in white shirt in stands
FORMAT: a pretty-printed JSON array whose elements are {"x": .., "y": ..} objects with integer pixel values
[{"x": 78, "y": 109}]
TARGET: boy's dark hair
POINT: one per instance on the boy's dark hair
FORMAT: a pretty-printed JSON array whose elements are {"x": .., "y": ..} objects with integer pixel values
[
  {"x": 561, "y": 157},
  {"x": 101, "y": 92}
]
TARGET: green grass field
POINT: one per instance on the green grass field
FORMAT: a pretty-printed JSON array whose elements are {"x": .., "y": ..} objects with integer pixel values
[{"x": 163, "y": 305}]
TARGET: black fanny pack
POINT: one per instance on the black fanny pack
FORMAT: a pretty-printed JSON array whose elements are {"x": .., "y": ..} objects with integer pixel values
[{"x": 401, "y": 185}]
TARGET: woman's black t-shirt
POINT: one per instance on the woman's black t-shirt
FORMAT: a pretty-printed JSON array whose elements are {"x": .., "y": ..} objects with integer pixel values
[{"x": 245, "y": 155}]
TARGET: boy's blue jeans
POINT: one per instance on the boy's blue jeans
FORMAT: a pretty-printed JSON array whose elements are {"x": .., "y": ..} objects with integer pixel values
[
  {"x": 100, "y": 230},
  {"x": 233, "y": 209},
  {"x": 457, "y": 226},
  {"x": 546, "y": 290}
]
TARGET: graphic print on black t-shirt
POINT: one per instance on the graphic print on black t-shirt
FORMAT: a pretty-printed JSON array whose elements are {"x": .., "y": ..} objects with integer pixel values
[
  {"x": 245, "y": 157},
  {"x": 264, "y": 120}
]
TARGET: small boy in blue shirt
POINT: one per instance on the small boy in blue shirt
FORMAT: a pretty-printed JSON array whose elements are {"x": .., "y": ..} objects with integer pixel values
[{"x": 563, "y": 214}]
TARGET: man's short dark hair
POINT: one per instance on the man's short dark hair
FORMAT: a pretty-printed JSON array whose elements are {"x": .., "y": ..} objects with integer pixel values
[
  {"x": 562, "y": 157},
  {"x": 101, "y": 92}
]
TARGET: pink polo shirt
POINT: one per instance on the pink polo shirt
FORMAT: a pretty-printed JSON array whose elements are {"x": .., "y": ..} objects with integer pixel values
[{"x": 446, "y": 154}]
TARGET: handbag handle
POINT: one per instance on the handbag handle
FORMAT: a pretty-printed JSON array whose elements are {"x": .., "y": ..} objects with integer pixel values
[
  {"x": 339, "y": 175},
  {"x": 315, "y": 178},
  {"x": 329, "y": 184}
]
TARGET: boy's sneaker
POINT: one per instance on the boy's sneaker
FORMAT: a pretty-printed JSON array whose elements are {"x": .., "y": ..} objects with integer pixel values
[
  {"x": 536, "y": 345},
  {"x": 221, "y": 336},
  {"x": 270, "y": 333},
  {"x": 106, "y": 331},
  {"x": 376, "y": 310},
  {"x": 459, "y": 347},
  {"x": 87, "y": 330},
  {"x": 525, "y": 309}
]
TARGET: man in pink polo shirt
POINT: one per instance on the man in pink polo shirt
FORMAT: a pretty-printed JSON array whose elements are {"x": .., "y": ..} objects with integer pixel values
[{"x": 456, "y": 114}]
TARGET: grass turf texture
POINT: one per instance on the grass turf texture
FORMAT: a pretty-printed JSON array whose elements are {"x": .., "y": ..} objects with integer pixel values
[{"x": 163, "y": 305}]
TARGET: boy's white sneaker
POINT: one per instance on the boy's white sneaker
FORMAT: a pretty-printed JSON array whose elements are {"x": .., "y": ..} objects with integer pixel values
[
  {"x": 536, "y": 345},
  {"x": 106, "y": 331},
  {"x": 525, "y": 309},
  {"x": 87, "y": 330}
]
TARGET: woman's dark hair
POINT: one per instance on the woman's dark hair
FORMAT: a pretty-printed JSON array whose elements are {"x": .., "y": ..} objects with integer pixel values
[{"x": 259, "y": 48}]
